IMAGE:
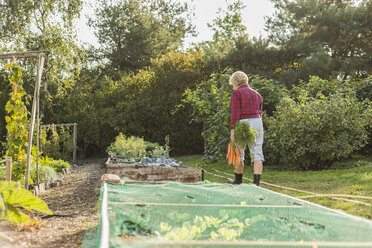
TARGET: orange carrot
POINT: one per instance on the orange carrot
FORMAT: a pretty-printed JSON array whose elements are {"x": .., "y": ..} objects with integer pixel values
[
  {"x": 237, "y": 158},
  {"x": 229, "y": 154}
]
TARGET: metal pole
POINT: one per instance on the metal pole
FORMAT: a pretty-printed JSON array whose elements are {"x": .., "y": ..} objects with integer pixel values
[
  {"x": 40, "y": 64},
  {"x": 74, "y": 143},
  {"x": 8, "y": 170}
]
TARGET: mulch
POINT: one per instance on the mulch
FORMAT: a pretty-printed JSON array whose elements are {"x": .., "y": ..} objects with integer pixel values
[{"x": 75, "y": 206}]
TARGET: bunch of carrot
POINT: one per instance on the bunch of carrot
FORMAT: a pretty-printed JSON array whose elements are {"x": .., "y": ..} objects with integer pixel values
[{"x": 233, "y": 154}]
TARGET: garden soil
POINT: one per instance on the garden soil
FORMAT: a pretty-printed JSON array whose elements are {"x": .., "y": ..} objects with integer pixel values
[{"x": 75, "y": 201}]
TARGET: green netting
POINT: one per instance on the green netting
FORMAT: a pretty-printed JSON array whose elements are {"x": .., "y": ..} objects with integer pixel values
[{"x": 221, "y": 215}]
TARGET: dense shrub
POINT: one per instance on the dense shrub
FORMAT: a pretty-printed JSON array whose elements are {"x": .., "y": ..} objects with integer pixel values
[
  {"x": 271, "y": 91},
  {"x": 314, "y": 132}
]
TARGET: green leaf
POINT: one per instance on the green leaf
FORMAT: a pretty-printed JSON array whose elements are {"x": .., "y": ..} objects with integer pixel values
[{"x": 13, "y": 197}]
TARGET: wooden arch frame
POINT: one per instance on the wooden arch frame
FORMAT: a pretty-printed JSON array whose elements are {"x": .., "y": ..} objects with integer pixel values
[{"x": 40, "y": 55}]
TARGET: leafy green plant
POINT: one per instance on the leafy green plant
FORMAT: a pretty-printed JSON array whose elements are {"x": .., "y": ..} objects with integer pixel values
[
  {"x": 244, "y": 133},
  {"x": 129, "y": 148},
  {"x": 207, "y": 227},
  {"x": 58, "y": 165},
  {"x": 45, "y": 173},
  {"x": 12, "y": 197},
  {"x": 150, "y": 146},
  {"x": 16, "y": 121},
  {"x": 162, "y": 150}
]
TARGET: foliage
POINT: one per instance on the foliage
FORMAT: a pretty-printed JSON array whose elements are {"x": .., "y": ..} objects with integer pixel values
[
  {"x": 209, "y": 227},
  {"x": 328, "y": 38},
  {"x": 56, "y": 142},
  {"x": 150, "y": 146},
  {"x": 13, "y": 197},
  {"x": 46, "y": 173},
  {"x": 131, "y": 33},
  {"x": 312, "y": 133},
  {"x": 244, "y": 133},
  {"x": 57, "y": 165},
  {"x": 210, "y": 103},
  {"x": 139, "y": 105},
  {"x": 129, "y": 148},
  {"x": 228, "y": 29},
  {"x": 162, "y": 150},
  {"x": 43, "y": 25},
  {"x": 271, "y": 91},
  {"x": 229, "y": 23},
  {"x": 16, "y": 122},
  {"x": 49, "y": 141}
]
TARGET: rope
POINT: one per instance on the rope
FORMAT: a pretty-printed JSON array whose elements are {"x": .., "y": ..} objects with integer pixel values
[
  {"x": 336, "y": 195},
  {"x": 312, "y": 194},
  {"x": 353, "y": 201},
  {"x": 274, "y": 185}
]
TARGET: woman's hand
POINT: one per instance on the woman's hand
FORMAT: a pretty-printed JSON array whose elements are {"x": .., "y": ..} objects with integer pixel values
[{"x": 232, "y": 137}]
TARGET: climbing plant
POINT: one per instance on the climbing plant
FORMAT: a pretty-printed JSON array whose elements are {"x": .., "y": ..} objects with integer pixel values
[{"x": 16, "y": 120}]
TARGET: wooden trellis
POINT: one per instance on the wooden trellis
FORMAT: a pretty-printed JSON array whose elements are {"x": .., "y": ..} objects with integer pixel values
[{"x": 35, "y": 115}]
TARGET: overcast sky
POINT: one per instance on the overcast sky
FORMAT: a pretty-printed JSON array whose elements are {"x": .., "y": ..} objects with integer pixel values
[{"x": 205, "y": 12}]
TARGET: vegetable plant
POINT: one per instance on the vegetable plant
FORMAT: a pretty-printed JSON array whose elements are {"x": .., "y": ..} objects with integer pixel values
[
  {"x": 244, "y": 133},
  {"x": 129, "y": 148},
  {"x": 17, "y": 122},
  {"x": 12, "y": 197}
]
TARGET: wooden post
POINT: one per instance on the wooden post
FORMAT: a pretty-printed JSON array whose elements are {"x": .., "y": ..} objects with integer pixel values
[
  {"x": 74, "y": 143},
  {"x": 8, "y": 170},
  {"x": 37, "y": 133},
  {"x": 40, "y": 64}
]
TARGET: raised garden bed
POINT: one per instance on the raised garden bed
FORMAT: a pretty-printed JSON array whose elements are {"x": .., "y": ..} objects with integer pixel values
[{"x": 139, "y": 172}]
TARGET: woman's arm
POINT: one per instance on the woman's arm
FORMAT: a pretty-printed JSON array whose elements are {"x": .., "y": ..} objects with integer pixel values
[{"x": 235, "y": 110}]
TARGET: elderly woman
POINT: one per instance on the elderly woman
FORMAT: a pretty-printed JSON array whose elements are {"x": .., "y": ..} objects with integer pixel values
[{"x": 246, "y": 105}]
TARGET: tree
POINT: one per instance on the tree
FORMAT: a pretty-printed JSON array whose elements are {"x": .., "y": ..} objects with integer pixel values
[
  {"x": 229, "y": 23},
  {"x": 228, "y": 30},
  {"x": 132, "y": 32},
  {"x": 333, "y": 36}
]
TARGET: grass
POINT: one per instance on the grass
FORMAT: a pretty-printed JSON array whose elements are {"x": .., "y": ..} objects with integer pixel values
[{"x": 351, "y": 177}]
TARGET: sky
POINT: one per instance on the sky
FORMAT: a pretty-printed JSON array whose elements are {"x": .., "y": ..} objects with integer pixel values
[{"x": 205, "y": 12}]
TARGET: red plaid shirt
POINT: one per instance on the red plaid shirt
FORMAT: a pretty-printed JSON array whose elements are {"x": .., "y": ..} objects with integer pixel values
[{"x": 245, "y": 103}]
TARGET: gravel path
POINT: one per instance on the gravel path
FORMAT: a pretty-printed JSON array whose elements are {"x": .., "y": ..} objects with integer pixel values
[{"x": 76, "y": 197}]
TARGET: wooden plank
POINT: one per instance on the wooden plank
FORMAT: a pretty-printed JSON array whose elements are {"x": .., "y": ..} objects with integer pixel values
[
  {"x": 8, "y": 170},
  {"x": 40, "y": 65},
  {"x": 28, "y": 54},
  {"x": 59, "y": 125},
  {"x": 156, "y": 173}
]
